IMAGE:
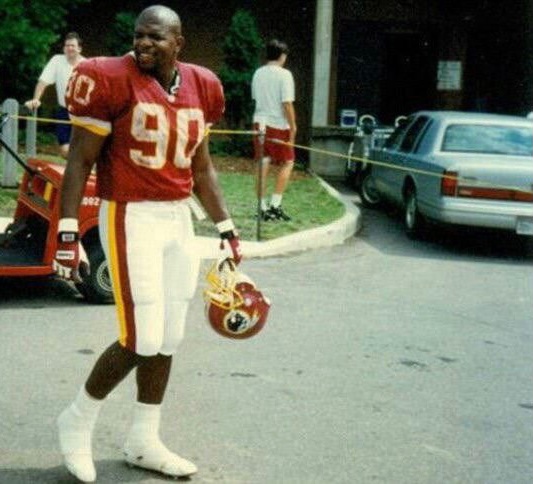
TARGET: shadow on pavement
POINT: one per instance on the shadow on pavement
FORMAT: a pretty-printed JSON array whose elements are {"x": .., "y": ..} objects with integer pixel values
[
  {"x": 32, "y": 291},
  {"x": 383, "y": 229},
  {"x": 107, "y": 470}
]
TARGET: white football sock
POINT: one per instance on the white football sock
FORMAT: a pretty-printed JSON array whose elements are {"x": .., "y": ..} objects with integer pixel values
[
  {"x": 145, "y": 424},
  {"x": 75, "y": 425},
  {"x": 144, "y": 448},
  {"x": 264, "y": 204},
  {"x": 275, "y": 201}
]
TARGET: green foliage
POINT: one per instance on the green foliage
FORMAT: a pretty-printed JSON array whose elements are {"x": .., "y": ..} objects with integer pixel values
[
  {"x": 241, "y": 48},
  {"x": 8, "y": 201},
  {"x": 27, "y": 31},
  {"x": 43, "y": 137},
  {"x": 120, "y": 39},
  {"x": 237, "y": 145}
]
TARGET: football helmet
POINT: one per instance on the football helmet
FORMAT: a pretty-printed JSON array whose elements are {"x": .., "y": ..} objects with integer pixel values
[{"x": 234, "y": 307}]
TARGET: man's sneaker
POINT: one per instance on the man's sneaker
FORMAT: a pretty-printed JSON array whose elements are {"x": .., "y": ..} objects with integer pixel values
[
  {"x": 277, "y": 213},
  {"x": 75, "y": 445},
  {"x": 153, "y": 455},
  {"x": 266, "y": 215}
]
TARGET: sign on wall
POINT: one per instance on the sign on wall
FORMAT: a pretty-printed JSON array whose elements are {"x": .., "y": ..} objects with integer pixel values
[{"x": 449, "y": 75}]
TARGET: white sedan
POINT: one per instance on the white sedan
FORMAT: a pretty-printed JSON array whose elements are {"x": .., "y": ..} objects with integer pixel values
[{"x": 457, "y": 168}]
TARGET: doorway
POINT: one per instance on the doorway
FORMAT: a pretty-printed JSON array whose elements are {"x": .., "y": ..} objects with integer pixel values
[{"x": 409, "y": 74}]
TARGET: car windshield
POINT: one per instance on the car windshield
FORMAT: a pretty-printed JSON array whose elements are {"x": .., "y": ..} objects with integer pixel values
[{"x": 473, "y": 138}]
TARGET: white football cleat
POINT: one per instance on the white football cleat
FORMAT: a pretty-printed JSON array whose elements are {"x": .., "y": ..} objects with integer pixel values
[
  {"x": 75, "y": 445},
  {"x": 153, "y": 455}
]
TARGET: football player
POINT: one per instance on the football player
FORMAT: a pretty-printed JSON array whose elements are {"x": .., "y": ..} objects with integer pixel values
[{"x": 142, "y": 119}]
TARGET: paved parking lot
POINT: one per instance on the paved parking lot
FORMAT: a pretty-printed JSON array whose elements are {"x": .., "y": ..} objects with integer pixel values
[{"x": 383, "y": 361}]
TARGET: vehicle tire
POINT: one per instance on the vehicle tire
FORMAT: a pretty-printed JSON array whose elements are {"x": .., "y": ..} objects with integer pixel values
[
  {"x": 369, "y": 195},
  {"x": 96, "y": 286},
  {"x": 413, "y": 220}
]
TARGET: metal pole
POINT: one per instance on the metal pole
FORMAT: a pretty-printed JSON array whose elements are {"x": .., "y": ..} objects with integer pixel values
[
  {"x": 10, "y": 138},
  {"x": 260, "y": 156},
  {"x": 31, "y": 134},
  {"x": 4, "y": 117}
]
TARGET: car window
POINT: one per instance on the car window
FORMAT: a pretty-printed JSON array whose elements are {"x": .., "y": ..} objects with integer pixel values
[
  {"x": 422, "y": 135},
  {"x": 473, "y": 138},
  {"x": 393, "y": 141},
  {"x": 413, "y": 133}
]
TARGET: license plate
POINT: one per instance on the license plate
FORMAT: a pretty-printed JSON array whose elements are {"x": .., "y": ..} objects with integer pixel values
[{"x": 524, "y": 226}]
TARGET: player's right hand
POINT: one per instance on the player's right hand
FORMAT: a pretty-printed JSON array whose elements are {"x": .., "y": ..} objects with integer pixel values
[
  {"x": 32, "y": 104},
  {"x": 70, "y": 254}
]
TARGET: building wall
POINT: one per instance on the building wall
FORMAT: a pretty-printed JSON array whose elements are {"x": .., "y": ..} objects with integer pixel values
[
  {"x": 389, "y": 53},
  {"x": 385, "y": 52}
]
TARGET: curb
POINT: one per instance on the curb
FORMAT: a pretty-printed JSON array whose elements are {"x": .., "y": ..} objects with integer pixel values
[{"x": 329, "y": 235}]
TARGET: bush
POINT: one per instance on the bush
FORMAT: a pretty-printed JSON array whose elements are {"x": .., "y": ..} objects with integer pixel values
[
  {"x": 241, "y": 48},
  {"x": 119, "y": 39},
  {"x": 27, "y": 31}
]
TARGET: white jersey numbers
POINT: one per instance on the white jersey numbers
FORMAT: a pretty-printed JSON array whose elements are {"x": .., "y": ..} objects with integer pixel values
[
  {"x": 80, "y": 88},
  {"x": 149, "y": 125},
  {"x": 163, "y": 139},
  {"x": 190, "y": 128}
]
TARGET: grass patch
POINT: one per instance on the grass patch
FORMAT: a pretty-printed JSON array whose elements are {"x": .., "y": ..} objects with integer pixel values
[
  {"x": 8, "y": 201},
  {"x": 305, "y": 200}
]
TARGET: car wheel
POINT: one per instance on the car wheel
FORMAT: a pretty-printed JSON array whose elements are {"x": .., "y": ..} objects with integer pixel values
[
  {"x": 413, "y": 220},
  {"x": 96, "y": 286},
  {"x": 369, "y": 194}
]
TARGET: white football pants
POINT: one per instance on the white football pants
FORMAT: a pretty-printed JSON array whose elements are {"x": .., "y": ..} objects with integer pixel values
[{"x": 153, "y": 265}]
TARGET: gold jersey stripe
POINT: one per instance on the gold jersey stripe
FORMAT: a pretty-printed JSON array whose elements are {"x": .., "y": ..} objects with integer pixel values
[
  {"x": 95, "y": 126},
  {"x": 115, "y": 270}
]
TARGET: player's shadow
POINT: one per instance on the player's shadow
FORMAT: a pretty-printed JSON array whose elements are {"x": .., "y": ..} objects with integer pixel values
[
  {"x": 37, "y": 292},
  {"x": 109, "y": 471}
]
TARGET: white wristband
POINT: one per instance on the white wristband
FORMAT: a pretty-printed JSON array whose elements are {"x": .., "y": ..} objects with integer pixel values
[
  {"x": 67, "y": 225},
  {"x": 225, "y": 226}
]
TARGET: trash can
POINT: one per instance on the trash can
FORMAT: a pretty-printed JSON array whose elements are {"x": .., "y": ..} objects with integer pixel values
[{"x": 348, "y": 118}]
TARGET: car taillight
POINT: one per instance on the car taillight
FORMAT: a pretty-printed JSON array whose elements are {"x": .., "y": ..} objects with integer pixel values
[
  {"x": 495, "y": 193},
  {"x": 448, "y": 184}
]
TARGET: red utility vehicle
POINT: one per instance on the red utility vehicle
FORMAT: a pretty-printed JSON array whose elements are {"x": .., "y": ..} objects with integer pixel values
[{"x": 28, "y": 244}]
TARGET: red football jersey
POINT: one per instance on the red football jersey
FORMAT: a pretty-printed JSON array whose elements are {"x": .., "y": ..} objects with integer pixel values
[{"x": 152, "y": 134}]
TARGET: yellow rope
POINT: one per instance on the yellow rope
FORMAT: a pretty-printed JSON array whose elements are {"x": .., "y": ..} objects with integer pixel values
[
  {"x": 396, "y": 167},
  {"x": 332, "y": 154},
  {"x": 231, "y": 131},
  {"x": 43, "y": 120}
]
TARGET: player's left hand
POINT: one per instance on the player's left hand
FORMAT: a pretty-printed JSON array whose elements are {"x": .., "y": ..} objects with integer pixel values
[{"x": 230, "y": 240}]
